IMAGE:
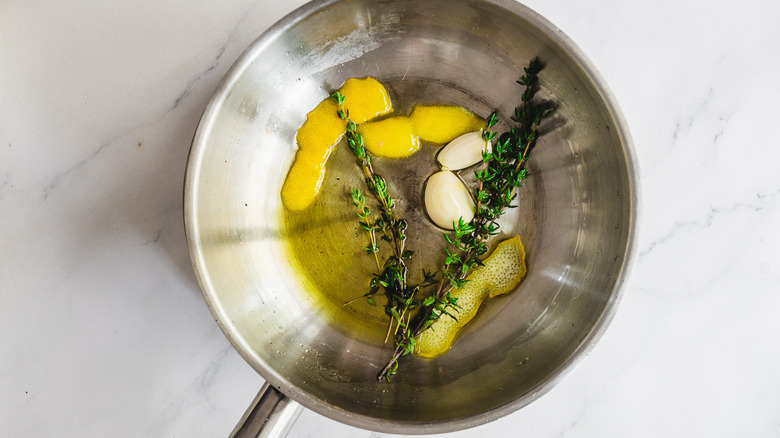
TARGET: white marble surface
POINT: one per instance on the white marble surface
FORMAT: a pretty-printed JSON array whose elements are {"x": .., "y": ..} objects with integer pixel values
[{"x": 103, "y": 331}]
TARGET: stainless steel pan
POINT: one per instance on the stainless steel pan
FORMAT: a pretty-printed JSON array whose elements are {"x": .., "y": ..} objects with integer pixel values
[{"x": 577, "y": 216}]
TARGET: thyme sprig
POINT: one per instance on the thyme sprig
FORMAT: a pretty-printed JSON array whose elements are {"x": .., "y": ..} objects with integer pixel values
[
  {"x": 392, "y": 278},
  {"x": 503, "y": 171},
  {"x": 369, "y": 226}
]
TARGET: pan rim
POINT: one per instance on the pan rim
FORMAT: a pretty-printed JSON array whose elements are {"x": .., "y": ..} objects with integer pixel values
[{"x": 300, "y": 395}]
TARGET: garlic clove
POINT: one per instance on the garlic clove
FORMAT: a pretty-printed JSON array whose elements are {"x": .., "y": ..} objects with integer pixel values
[
  {"x": 464, "y": 151},
  {"x": 447, "y": 199}
]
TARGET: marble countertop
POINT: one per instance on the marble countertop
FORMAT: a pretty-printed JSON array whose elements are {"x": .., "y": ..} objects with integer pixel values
[{"x": 104, "y": 332}]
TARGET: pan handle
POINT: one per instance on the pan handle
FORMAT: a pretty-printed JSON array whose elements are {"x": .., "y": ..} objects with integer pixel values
[{"x": 271, "y": 415}]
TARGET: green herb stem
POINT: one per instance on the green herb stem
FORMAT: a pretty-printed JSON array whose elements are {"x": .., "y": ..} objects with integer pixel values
[{"x": 392, "y": 278}]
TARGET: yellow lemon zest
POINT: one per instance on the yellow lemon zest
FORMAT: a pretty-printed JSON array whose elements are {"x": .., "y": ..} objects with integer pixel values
[
  {"x": 442, "y": 124},
  {"x": 501, "y": 272},
  {"x": 364, "y": 99},
  {"x": 393, "y": 137}
]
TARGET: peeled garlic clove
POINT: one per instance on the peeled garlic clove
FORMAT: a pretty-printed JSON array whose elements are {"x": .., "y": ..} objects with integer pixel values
[
  {"x": 464, "y": 151},
  {"x": 447, "y": 199}
]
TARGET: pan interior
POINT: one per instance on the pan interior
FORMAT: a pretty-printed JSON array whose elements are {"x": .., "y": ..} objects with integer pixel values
[{"x": 276, "y": 281}]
